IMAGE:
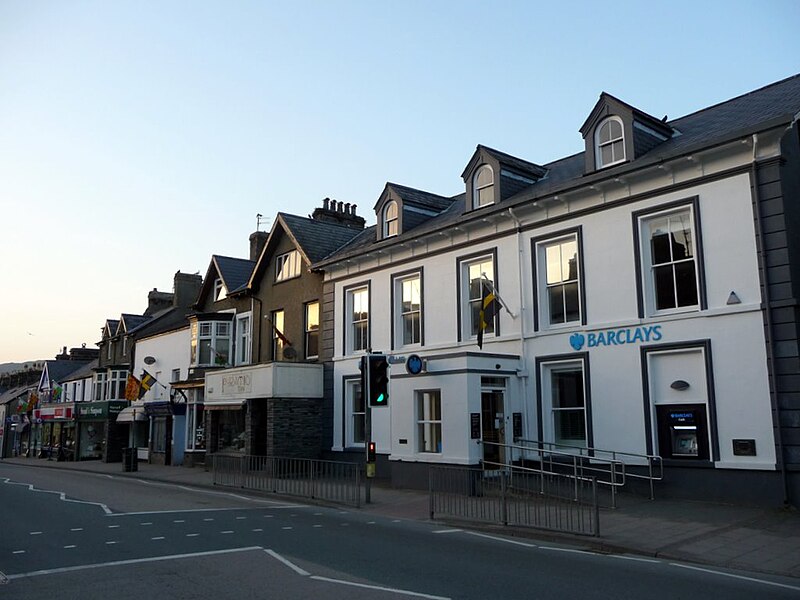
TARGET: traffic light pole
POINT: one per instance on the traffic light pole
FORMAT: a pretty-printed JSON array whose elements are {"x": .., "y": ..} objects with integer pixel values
[{"x": 367, "y": 432}]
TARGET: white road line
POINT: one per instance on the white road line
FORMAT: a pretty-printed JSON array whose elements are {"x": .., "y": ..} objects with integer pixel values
[
  {"x": 447, "y": 531},
  {"x": 287, "y": 562},
  {"x": 752, "y": 579},
  {"x": 635, "y": 558},
  {"x": 70, "y": 546},
  {"x": 569, "y": 550},
  {"x": 77, "y": 529},
  {"x": 258, "y": 530},
  {"x": 36, "y": 533},
  {"x": 113, "y": 526},
  {"x": 179, "y": 521},
  {"x": 398, "y": 521},
  {"x": 61, "y": 495},
  {"x": 286, "y": 527},
  {"x": 192, "y": 534},
  {"x": 209, "y": 519},
  {"x": 370, "y": 522},
  {"x": 381, "y": 588},
  {"x": 268, "y": 516},
  {"x": 148, "y": 523},
  {"x": 229, "y": 531},
  {"x": 109, "y": 543},
  {"x": 191, "y": 510},
  {"x": 344, "y": 524},
  {"x": 18, "y": 552},
  {"x": 133, "y": 561},
  {"x": 240, "y": 518},
  {"x": 499, "y": 539},
  {"x": 317, "y": 525},
  {"x": 160, "y": 537}
]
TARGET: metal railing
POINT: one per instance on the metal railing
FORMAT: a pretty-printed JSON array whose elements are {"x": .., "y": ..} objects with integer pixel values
[
  {"x": 516, "y": 496},
  {"x": 595, "y": 458},
  {"x": 331, "y": 481}
]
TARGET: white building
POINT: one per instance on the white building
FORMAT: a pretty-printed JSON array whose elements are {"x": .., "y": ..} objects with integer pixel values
[{"x": 649, "y": 290}]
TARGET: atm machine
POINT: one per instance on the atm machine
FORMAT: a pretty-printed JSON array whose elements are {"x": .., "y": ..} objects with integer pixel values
[{"x": 682, "y": 431}]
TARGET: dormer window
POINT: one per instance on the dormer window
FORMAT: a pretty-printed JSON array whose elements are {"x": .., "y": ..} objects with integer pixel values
[
  {"x": 390, "y": 221},
  {"x": 483, "y": 187},
  {"x": 609, "y": 143}
]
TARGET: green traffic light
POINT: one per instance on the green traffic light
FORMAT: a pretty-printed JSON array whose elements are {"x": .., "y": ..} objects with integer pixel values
[{"x": 380, "y": 399}]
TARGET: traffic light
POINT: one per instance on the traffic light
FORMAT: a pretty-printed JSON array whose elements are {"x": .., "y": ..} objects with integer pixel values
[
  {"x": 371, "y": 452},
  {"x": 378, "y": 373}
]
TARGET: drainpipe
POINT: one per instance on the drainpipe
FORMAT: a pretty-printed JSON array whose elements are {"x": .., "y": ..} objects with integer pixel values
[
  {"x": 523, "y": 357},
  {"x": 762, "y": 260}
]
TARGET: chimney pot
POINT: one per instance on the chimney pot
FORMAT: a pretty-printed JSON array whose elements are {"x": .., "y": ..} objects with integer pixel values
[
  {"x": 325, "y": 202},
  {"x": 353, "y": 208},
  {"x": 347, "y": 208}
]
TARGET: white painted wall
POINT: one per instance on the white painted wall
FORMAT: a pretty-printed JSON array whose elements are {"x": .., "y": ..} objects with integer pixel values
[{"x": 171, "y": 351}]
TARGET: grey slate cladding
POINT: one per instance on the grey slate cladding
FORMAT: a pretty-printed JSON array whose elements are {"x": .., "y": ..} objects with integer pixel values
[
  {"x": 235, "y": 272},
  {"x": 769, "y": 106},
  {"x": 317, "y": 238},
  {"x": 420, "y": 198}
]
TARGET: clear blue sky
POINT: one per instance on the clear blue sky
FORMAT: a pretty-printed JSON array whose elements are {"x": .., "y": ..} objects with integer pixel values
[{"x": 139, "y": 138}]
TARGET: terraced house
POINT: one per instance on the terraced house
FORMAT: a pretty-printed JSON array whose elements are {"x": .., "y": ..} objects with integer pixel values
[{"x": 646, "y": 303}]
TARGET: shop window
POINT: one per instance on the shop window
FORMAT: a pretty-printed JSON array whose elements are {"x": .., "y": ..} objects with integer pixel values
[
  {"x": 159, "y": 434},
  {"x": 195, "y": 422},
  {"x": 230, "y": 431},
  {"x": 429, "y": 421},
  {"x": 408, "y": 310}
]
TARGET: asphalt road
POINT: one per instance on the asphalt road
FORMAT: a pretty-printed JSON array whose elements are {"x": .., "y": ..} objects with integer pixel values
[{"x": 92, "y": 536}]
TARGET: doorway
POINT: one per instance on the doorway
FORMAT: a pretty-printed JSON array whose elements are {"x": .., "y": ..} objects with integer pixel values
[{"x": 493, "y": 421}]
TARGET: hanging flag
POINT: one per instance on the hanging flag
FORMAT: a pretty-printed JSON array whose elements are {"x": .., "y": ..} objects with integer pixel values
[
  {"x": 279, "y": 333},
  {"x": 57, "y": 393},
  {"x": 487, "y": 312},
  {"x": 132, "y": 388},
  {"x": 33, "y": 400},
  {"x": 146, "y": 383}
]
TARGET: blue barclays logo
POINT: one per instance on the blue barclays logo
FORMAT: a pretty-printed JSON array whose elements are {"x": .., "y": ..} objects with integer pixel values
[{"x": 616, "y": 337}]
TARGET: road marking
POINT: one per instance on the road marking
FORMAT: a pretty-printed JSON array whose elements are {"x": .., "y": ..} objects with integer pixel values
[
  {"x": 149, "y": 523},
  {"x": 344, "y": 524},
  {"x": 70, "y": 546},
  {"x": 191, "y": 510},
  {"x": 229, "y": 531},
  {"x": 287, "y": 562},
  {"x": 370, "y": 522},
  {"x": 499, "y": 539},
  {"x": 192, "y": 534},
  {"x": 113, "y": 526},
  {"x": 18, "y": 552},
  {"x": 287, "y": 527},
  {"x": 77, "y": 529},
  {"x": 753, "y": 579},
  {"x": 258, "y": 530},
  {"x": 317, "y": 525},
  {"x": 133, "y": 561},
  {"x": 634, "y": 558},
  {"x": 381, "y": 588},
  {"x": 570, "y": 550},
  {"x": 447, "y": 531},
  {"x": 61, "y": 495},
  {"x": 399, "y": 521},
  {"x": 240, "y": 518},
  {"x": 209, "y": 519},
  {"x": 179, "y": 521},
  {"x": 109, "y": 543},
  {"x": 36, "y": 533},
  {"x": 268, "y": 516},
  {"x": 161, "y": 537}
]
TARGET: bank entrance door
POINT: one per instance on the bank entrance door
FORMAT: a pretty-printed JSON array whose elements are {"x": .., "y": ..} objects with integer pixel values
[{"x": 493, "y": 421}]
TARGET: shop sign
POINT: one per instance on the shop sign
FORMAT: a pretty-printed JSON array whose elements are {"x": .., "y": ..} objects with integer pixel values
[
  {"x": 240, "y": 383},
  {"x": 100, "y": 410},
  {"x": 616, "y": 337}
]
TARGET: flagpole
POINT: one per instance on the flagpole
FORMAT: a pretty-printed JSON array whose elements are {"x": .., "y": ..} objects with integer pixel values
[{"x": 497, "y": 295}]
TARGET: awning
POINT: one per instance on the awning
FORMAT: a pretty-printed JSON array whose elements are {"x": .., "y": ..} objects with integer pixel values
[
  {"x": 131, "y": 414},
  {"x": 224, "y": 405}
]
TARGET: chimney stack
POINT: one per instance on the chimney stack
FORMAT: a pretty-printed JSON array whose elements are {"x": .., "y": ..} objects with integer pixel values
[
  {"x": 186, "y": 288},
  {"x": 341, "y": 213},
  {"x": 258, "y": 240}
]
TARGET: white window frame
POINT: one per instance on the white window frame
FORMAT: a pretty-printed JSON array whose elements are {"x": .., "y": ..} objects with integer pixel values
[
  {"x": 357, "y": 297},
  {"x": 400, "y": 313},
  {"x": 598, "y": 145},
  {"x": 311, "y": 330},
  {"x": 391, "y": 221},
  {"x": 117, "y": 381},
  {"x": 476, "y": 189},
  {"x": 220, "y": 293},
  {"x": 244, "y": 333},
  {"x": 550, "y": 411},
  {"x": 100, "y": 392},
  {"x": 109, "y": 349},
  {"x": 468, "y": 302},
  {"x": 278, "y": 319},
  {"x": 288, "y": 265},
  {"x": 352, "y": 386},
  {"x": 194, "y": 406},
  {"x": 427, "y": 423},
  {"x": 124, "y": 345},
  {"x": 648, "y": 268},
  {"x": 543, "y": 286},
  {"x": 212, "y": 331}
]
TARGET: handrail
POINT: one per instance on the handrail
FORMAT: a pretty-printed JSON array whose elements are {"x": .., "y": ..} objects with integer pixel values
[{"x": 654, "y": 462}]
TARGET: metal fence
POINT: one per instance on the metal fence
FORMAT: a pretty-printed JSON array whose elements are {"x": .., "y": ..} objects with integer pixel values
[
  {"x": 516, "y": 496},
  {"x": 331, "y": 481}
]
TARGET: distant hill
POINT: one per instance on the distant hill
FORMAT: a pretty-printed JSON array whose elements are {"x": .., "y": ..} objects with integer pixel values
[{"x": 14, "y": 367}]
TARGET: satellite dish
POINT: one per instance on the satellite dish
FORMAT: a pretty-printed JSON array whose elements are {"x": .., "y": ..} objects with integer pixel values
[
  {"x": 149, "y": 360},
  {"x": 289, "y": 353}
]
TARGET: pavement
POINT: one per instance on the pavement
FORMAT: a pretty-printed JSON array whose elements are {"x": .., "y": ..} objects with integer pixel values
[{"x": 754, "y": 539}]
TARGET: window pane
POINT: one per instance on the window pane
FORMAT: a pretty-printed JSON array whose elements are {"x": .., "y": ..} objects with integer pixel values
[
  {"x": 556, "y": 299},
  {"x": 573, "y": 311},
  {"x": 606, "y": 154},
  {"x": 681, "y": 238},
  {"x": 312, "y": 344},
  {"x": 614, "y": 130},
  {"x": 569, "y": 260},
  {"x": 567, "y": 389},
  {"x": 411, "y": 328},
  {"x": 205, "y": 352},
  {"x": 618, "y": 150},
  {"x": 483, "y": 177},
  {"x": 358, "y": 399},
  {"x": 312, "y": 315},
  {"x": 686, "y": 283},
  {"x": 486, "y": 195},
  {"x": 360, "y": 336},
  {"x": 570, "y": 427},
  {"x": 553, "y": 263},
  {"x": 664, "y": 287},
  {"x": 660, "y": 242}
]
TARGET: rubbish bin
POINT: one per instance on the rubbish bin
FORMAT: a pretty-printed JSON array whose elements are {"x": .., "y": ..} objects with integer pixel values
[{"x": 130, "y": 460}]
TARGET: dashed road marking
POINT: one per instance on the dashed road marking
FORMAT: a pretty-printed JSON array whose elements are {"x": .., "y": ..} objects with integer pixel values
[
  {"x": 179, "y": 521},
  {"x": 240, "y": 518},
  {"x": 258, "y": 529},
  {"x": 77, "y": 529},
  {"x": 228, "y": 531},
  {"x": 18, "y": 552},
  {"x": 192, "y": 534},
  {"x": 287, "y": 527},
  {"x": 112, "y": 542},
  {"x": 723, "y": 574},
  {"x": 70, "y": 546},
  {"x": 447, "y": 531},
  {"x": 36, "y": 533},
  {"x": 148, "y": 523},
  {"x": 160, "y": 537},
  {"x": 113, "y": 526}
]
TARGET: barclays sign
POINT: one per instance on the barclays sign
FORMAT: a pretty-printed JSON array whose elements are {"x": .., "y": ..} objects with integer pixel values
[{"x": 616, "y": 337}]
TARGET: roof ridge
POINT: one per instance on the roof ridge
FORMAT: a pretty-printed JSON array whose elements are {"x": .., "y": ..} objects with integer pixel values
[{"x": 408, "y": 187}]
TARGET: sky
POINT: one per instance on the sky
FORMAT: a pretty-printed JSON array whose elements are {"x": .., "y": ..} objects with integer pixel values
[{"x": 139, "y": 138}]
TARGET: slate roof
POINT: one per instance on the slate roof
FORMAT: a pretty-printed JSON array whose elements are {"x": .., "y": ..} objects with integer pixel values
[
  {"x": 131, "y": 322},
  {"x": 13, "y": 394},
  {"x": 87, "y": 370},
  {"x": 520, "y": 165},
  {"x": 59, "y": 370},
  {"x": 235, "y": 272},
  {"x": 170, "y": 319},
  {"x": 112, "y": 325},
  {"x": 420, "y": 198},
  {"x": 317, "y": 238},
  {"x": 770, "y": 106}
]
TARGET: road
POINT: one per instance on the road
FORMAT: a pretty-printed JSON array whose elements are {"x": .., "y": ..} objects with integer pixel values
[{"x": 68, "y": 534}]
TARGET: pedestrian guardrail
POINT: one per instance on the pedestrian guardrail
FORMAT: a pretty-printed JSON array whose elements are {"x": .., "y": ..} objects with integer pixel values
[
  {"x": 516, "y": 496},
  {"x": 331, "y": 481}
]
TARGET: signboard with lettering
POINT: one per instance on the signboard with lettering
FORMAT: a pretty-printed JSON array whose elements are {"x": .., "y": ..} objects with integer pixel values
[
  {"x": 475, "y": 426},
  {"x": 616, "y": 337},
  {"x": 238, "y": 383}
]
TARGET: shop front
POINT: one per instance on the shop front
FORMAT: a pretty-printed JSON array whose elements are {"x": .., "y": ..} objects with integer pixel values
[
  {"x": 167, "y": 432},
  {"x": 58, "y": 431},
  {"x": 135, "y": 418},
  {"x": 99, "y": 436}
]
